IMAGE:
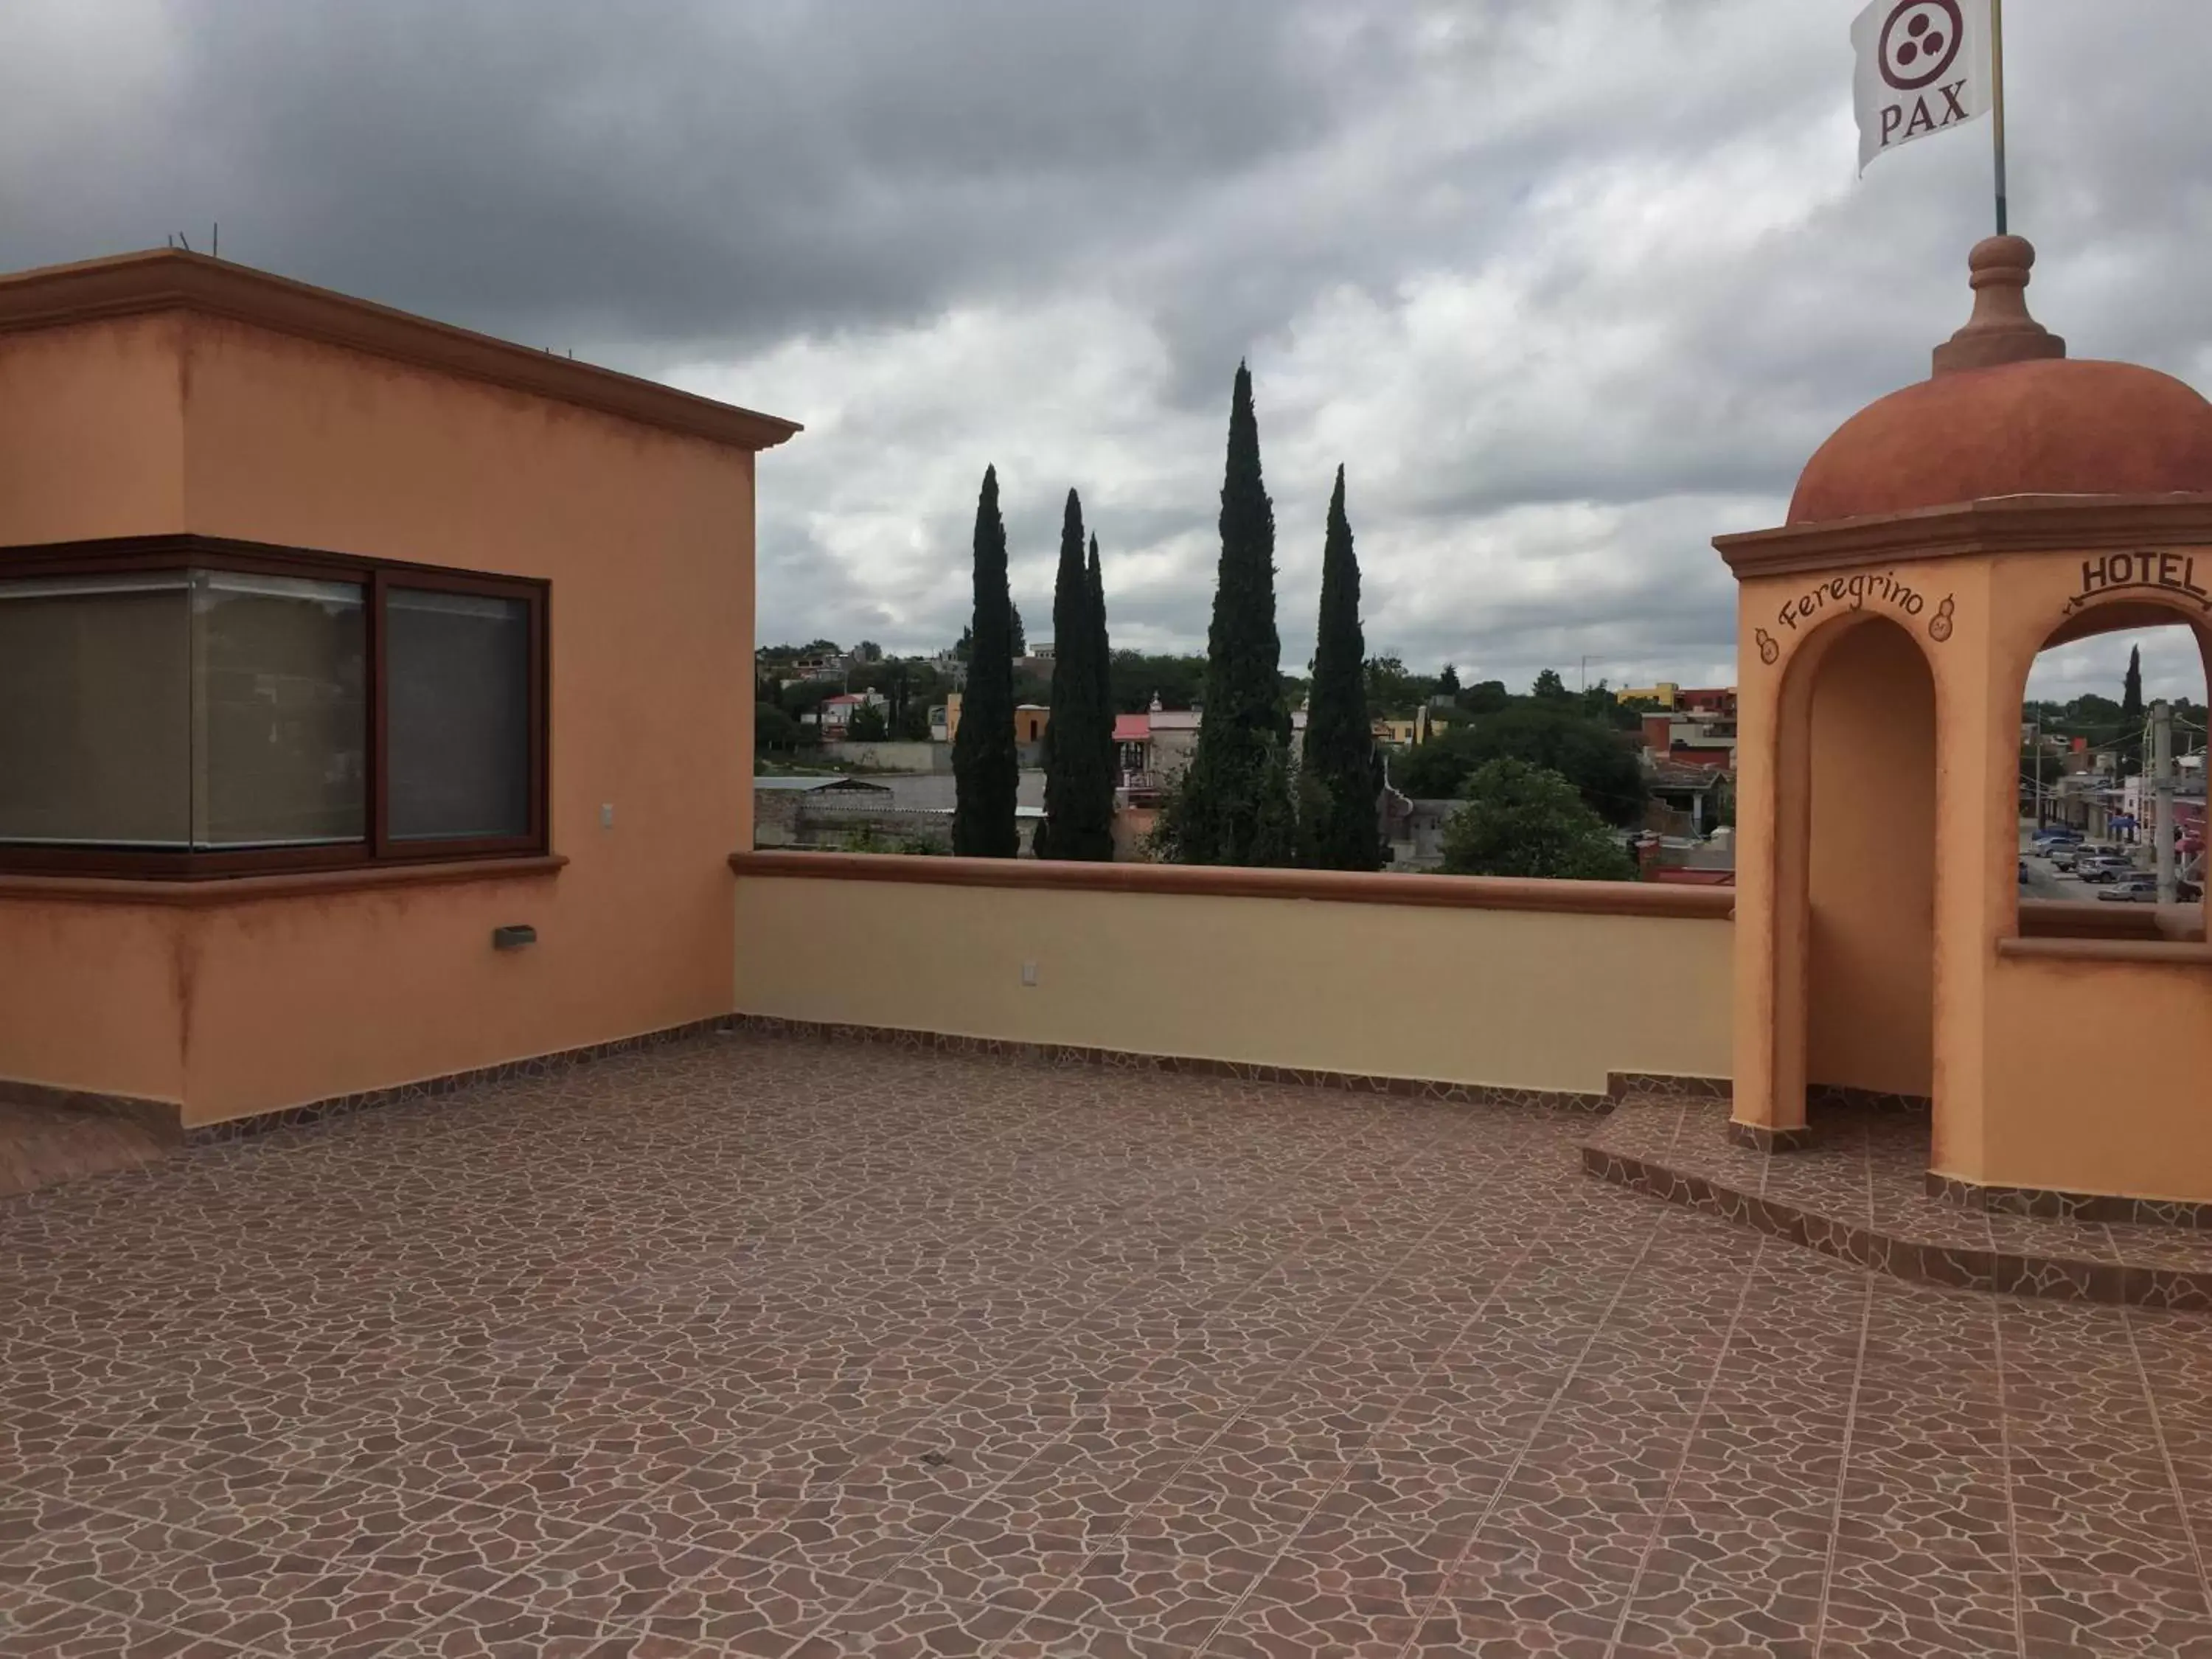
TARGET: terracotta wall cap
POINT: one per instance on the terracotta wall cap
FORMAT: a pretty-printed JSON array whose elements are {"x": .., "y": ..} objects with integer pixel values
[{"x": 1612, "y": 898}]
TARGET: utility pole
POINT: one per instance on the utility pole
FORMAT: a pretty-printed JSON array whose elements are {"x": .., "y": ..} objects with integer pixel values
[
  {"x": 2162, "y": 751},
  {"x": 2035, "y": 744}
]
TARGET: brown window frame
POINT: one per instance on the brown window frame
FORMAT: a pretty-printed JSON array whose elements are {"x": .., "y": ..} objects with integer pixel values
[{"x": 126, "y": 555}]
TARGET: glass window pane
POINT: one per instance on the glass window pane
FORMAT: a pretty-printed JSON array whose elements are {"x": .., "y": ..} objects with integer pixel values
[
  {"x": 457, "y": 715},
  {"x": 279, "y": 710},
  {"x": 95, "y": 711}
]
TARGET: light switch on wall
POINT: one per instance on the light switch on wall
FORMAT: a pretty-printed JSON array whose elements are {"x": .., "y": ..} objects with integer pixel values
[
  {"x": 606, "y": 815},
  {"x": 1029, "y": 973}
]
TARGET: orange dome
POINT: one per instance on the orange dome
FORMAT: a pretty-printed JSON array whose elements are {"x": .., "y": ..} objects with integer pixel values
[
  {"x": 2054, "y": 428},
  {"x": 2007, "y": 414}
]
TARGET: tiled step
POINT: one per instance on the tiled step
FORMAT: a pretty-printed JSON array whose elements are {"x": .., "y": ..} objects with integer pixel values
[{"x": 1859, "y": 1193}]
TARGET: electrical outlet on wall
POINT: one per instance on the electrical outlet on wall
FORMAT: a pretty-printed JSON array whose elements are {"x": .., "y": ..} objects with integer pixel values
[
  {"x": 606, "y": 815},
  {"x": 1029, "y": 973}
]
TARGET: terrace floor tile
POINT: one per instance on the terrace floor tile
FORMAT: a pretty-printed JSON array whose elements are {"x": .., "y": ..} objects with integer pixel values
[{"x": 770, "y": 1350}]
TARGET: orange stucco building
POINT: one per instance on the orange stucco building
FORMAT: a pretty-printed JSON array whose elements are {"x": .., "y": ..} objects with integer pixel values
[{"x": 385, "y": 636}]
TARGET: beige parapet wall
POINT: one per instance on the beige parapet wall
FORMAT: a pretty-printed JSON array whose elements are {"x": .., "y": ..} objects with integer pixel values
[{"x": 1547, "y": 985}]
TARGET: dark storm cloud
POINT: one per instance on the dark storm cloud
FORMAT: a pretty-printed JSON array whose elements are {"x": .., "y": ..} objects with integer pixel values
[
  {"x": 1568, "y": 285},
  {"x": 664, "y": 172}
]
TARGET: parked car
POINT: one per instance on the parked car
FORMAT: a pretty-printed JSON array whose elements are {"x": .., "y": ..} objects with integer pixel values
[
  {"x": 2138, "y": 889},
  {"x": 2106, "y": 868},
  {"x": 2048, "y": 838}
]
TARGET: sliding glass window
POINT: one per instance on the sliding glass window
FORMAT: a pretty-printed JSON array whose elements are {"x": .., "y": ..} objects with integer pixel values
[{"x": 279, "y": 710}]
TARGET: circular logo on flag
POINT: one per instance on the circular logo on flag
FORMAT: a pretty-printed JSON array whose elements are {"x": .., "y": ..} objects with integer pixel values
[{"x": 1920, "y": 42}]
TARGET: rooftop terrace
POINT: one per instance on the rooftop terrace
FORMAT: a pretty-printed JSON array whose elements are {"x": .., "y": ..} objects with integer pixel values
[{"x": 753, "y": 1345}]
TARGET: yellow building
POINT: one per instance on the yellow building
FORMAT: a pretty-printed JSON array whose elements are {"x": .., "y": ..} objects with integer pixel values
[
  {"x": 1410, "y": 733},
  {"x": 1665, "y": 693},
  {"x": 1030, "y": 720}
]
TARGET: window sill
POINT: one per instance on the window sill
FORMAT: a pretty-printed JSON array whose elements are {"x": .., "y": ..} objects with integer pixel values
[{"x": 193, "y": 894}]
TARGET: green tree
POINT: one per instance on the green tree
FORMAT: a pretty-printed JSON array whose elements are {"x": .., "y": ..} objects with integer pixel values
[
  {"x": 804, "y": 697},
  {"x": 1079, "y": 776},
  {"x": 1017, "y": 642},
  {"x": 1522, "y": 820},
  {"x": 1393, "y": 690},
  {"x": 1178, "y": 682},
  {"x": 1448, "y": 681},
  {"x": 868, "y": 725},
  {"x": 1339, "y": 775},
  {"x": 1235, "y": 807},
  {"x": 773, "y": 730},
  {"x": 1549, "y": 685},
  {"x": 1486, "y": 698},
  {"x": 985, "y": 770},
  {"x": 1597, "y": 760}
]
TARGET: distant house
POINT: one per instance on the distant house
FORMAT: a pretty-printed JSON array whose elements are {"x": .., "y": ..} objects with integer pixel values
[
  {"x": 1718, "y": 702},
  {"x": 1684, "y": 798},
  {"x": 834, "y": 716},
  {"x": 1683, "y": 738},
  {"x": 1411, "y": 732},
  {"x": 1133, "y": 742},
  {"x": 1152, "y": 749},
  {"x": 1030, "y": 720}
]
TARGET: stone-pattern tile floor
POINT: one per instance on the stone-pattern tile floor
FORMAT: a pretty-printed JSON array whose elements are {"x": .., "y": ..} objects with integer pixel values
[{"x": 768, "y": 1348}]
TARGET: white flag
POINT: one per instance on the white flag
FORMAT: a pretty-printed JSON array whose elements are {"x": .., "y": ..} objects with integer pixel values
[{"x": 1924, "y": 67}]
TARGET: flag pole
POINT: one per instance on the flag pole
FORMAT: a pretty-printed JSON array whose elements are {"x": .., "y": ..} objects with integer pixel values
[{"x": 1997, "y": 104}]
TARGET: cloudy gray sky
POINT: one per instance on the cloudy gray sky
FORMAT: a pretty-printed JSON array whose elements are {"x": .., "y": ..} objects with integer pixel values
[{"x": 1569, "y": 286}]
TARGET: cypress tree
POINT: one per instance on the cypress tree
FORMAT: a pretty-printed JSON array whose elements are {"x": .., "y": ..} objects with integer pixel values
[
  {"x": 1105, "y": 650},
  {"x": 1234, "y": 806},
  {"x": 2131, "y": 713},
  {"x": 985, "y": 770},
  {"x": 1340, "y": 776},
  {"x": 1078, "y": 781}
]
